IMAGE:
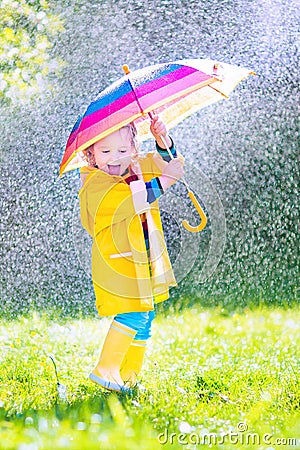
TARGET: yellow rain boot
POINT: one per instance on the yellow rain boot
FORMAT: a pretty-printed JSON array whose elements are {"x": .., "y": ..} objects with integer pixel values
[
  {"x": 133, "y": 361},
  {"x": 116, "y": 344}
]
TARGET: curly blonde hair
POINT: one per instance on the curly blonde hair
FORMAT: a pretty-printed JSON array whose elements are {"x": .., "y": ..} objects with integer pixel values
[{"x": 89, "y": 152}]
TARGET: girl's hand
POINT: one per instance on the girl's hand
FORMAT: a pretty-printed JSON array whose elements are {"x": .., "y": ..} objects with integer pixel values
[
  {"x": 172, "y": 172},
  {"x": 158, "y": 129}
]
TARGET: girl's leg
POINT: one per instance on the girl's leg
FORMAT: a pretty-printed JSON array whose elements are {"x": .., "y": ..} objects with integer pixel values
[
  {"x": 133, "y": 360},
  {"x": 116, "y": 344}
]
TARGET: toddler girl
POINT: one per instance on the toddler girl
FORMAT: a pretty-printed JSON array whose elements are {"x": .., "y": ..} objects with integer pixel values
[{"x": 131, "y": 270}]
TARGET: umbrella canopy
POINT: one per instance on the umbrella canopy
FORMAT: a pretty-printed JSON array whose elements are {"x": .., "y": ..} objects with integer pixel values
[{"x": 173, "y": 90}]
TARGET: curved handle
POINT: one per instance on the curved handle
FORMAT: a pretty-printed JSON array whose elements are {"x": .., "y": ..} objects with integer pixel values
[{"x": 202, "y": 215}]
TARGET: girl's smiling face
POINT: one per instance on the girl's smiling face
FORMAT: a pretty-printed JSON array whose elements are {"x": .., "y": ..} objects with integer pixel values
[{"x": 113, "y": 154}]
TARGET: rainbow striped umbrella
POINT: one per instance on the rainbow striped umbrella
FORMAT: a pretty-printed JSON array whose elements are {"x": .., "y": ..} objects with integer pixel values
[{"x": 173, "y": 90}]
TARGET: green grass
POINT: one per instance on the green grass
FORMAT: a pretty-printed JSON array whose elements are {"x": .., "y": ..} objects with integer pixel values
[{"x": 206, "y": 373}]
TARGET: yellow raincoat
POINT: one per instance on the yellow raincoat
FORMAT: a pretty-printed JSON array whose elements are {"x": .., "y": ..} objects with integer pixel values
[{"x": 123, "y": 278}]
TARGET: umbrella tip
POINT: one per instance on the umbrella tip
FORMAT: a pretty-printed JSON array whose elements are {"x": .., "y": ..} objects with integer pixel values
[{"x": 126, "y": 69}]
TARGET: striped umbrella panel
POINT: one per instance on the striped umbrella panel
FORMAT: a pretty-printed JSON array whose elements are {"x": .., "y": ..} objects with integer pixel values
[
  {"x": 130, "y": 97},
  {"x": 174, "y": 91}
]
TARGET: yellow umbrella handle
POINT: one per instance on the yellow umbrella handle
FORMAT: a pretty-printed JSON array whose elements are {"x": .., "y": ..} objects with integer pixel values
[{"x": 202, "y": 215}]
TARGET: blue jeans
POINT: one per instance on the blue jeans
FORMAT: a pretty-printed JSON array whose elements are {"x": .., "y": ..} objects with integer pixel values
[{"x": 139, "y": 321}]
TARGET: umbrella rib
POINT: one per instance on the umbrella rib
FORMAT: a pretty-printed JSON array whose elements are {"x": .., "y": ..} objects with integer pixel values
[
  {"x": 177, "y": 95},
  {"x": 217, "y": 90},
  {"x": 136, "y": 98}
]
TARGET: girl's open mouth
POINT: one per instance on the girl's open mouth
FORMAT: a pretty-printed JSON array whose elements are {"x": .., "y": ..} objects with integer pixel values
[{"x": 114, "y": 169}]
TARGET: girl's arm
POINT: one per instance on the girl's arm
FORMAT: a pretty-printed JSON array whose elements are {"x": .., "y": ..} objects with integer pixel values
[
  {"x": 164, "y": 152},
  {"x": 154, "y": 187},
  {"x": 158, "y": 129},
  {"x": 172, "y": 172}
]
